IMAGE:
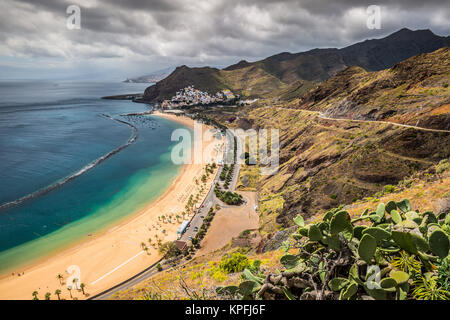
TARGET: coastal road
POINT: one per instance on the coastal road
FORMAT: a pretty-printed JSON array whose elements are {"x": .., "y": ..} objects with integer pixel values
[
  {"x": 211, "y": 199},
  {"x": 201, "y": 213},
  {"x": 145, "y": 274},
  {"x": 237, "y": 165},
  {"x": 196, "y": 221}
]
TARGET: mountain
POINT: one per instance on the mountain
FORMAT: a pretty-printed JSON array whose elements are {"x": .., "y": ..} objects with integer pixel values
[
  {"x": 340, "y": 148},
  {"x": 414, "y": 92},
  {"x": 241, "y": 64},
  {"x": 205, "y": 78},
  {"x": 375, "y": 55},
  {"x": 287, "y": 72},
  {"x": 151, "y": 77},
  {"x": 326, "y": 160}
]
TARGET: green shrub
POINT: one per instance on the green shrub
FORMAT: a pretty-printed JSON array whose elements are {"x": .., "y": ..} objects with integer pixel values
[
  {"x": 230, "y": 198},
  {"x": 442, "y": 166},
  {"x": 169, "y": 249},
  {"x": 236, "y": 262}
]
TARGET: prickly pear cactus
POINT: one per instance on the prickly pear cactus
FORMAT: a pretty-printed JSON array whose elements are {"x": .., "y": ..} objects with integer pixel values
[{"x": 390, "y": 253}]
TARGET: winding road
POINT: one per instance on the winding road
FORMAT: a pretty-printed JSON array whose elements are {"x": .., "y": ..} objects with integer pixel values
[
  {"x": 211, "y": 200},
  {"x": 322, "y": 116},
  {"x": 196, "y": 221}
]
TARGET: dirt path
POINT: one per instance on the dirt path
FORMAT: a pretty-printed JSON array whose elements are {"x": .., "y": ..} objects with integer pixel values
[
  {"x": 321, "y": 116},
  {"x": 395, "y": 155},
  {"x": 384, "y": 122}
]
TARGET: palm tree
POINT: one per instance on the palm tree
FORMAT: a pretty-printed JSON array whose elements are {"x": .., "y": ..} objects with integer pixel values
[
  {"x": 47, "y": 296},
  {"x": 75, "y": 282},
  {"x": 60, "y": 277},
  {"x": 58, "y": 292},
  {"x": 82, "y": 286},
  {"x": 34, "y": 294},
  {"x": 70, "y": 290}
]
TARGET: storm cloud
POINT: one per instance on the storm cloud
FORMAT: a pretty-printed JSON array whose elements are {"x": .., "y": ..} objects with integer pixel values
[{"x": 135, "y": 37}]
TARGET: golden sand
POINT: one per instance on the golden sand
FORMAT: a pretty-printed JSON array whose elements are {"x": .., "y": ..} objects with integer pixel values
[{"x": 115, "y": 255}]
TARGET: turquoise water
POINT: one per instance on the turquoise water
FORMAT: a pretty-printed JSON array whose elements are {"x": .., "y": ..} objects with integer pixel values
[{"x": 49, "y": 131}]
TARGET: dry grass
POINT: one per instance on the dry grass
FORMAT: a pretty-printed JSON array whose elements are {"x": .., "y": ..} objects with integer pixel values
[{"x": 201, "y": 275}]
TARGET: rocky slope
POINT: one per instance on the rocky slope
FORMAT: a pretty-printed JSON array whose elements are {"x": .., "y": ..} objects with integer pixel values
[
  {"x": 326, "y": 162},
  {"x": 202, "y": 275},
  {"x": 280, "y": 75},
  {"x": 413, "y": 92}
]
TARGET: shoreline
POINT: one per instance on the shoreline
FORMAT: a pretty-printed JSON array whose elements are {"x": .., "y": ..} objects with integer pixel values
[
  {"x": 134, "y": 136},
  {"x": 113, "y": 254}
]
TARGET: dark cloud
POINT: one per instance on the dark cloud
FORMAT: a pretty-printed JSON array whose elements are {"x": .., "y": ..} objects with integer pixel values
[
  {"x": 153, "y": 5},
  {"x": 148, "y": 34}
]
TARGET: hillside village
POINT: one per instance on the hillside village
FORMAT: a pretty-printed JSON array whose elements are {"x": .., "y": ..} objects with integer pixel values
[{"x": 189, "y": 96}]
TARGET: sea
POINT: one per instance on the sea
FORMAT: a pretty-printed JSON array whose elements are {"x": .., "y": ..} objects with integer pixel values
[{"x": 73, "y": 164}]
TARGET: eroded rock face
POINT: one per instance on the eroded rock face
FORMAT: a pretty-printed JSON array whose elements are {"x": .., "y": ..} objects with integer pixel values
[
  {"x": 414, "y": 92},
  {"x": 278, "y": 238},
  {"x": 440, "y": 121},
  {"x": 443, "y": 205},
  {"x": 325, "y": 163}
]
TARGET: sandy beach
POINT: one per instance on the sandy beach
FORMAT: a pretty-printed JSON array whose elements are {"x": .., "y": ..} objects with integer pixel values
[{"x": 113, "y": 255}]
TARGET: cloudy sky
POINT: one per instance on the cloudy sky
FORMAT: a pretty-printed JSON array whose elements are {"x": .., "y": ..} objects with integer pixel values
[{"x": 120, "y": 39}]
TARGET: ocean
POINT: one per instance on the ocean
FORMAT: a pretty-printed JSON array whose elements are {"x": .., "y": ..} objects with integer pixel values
[{"x": 72, "y": 164}]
